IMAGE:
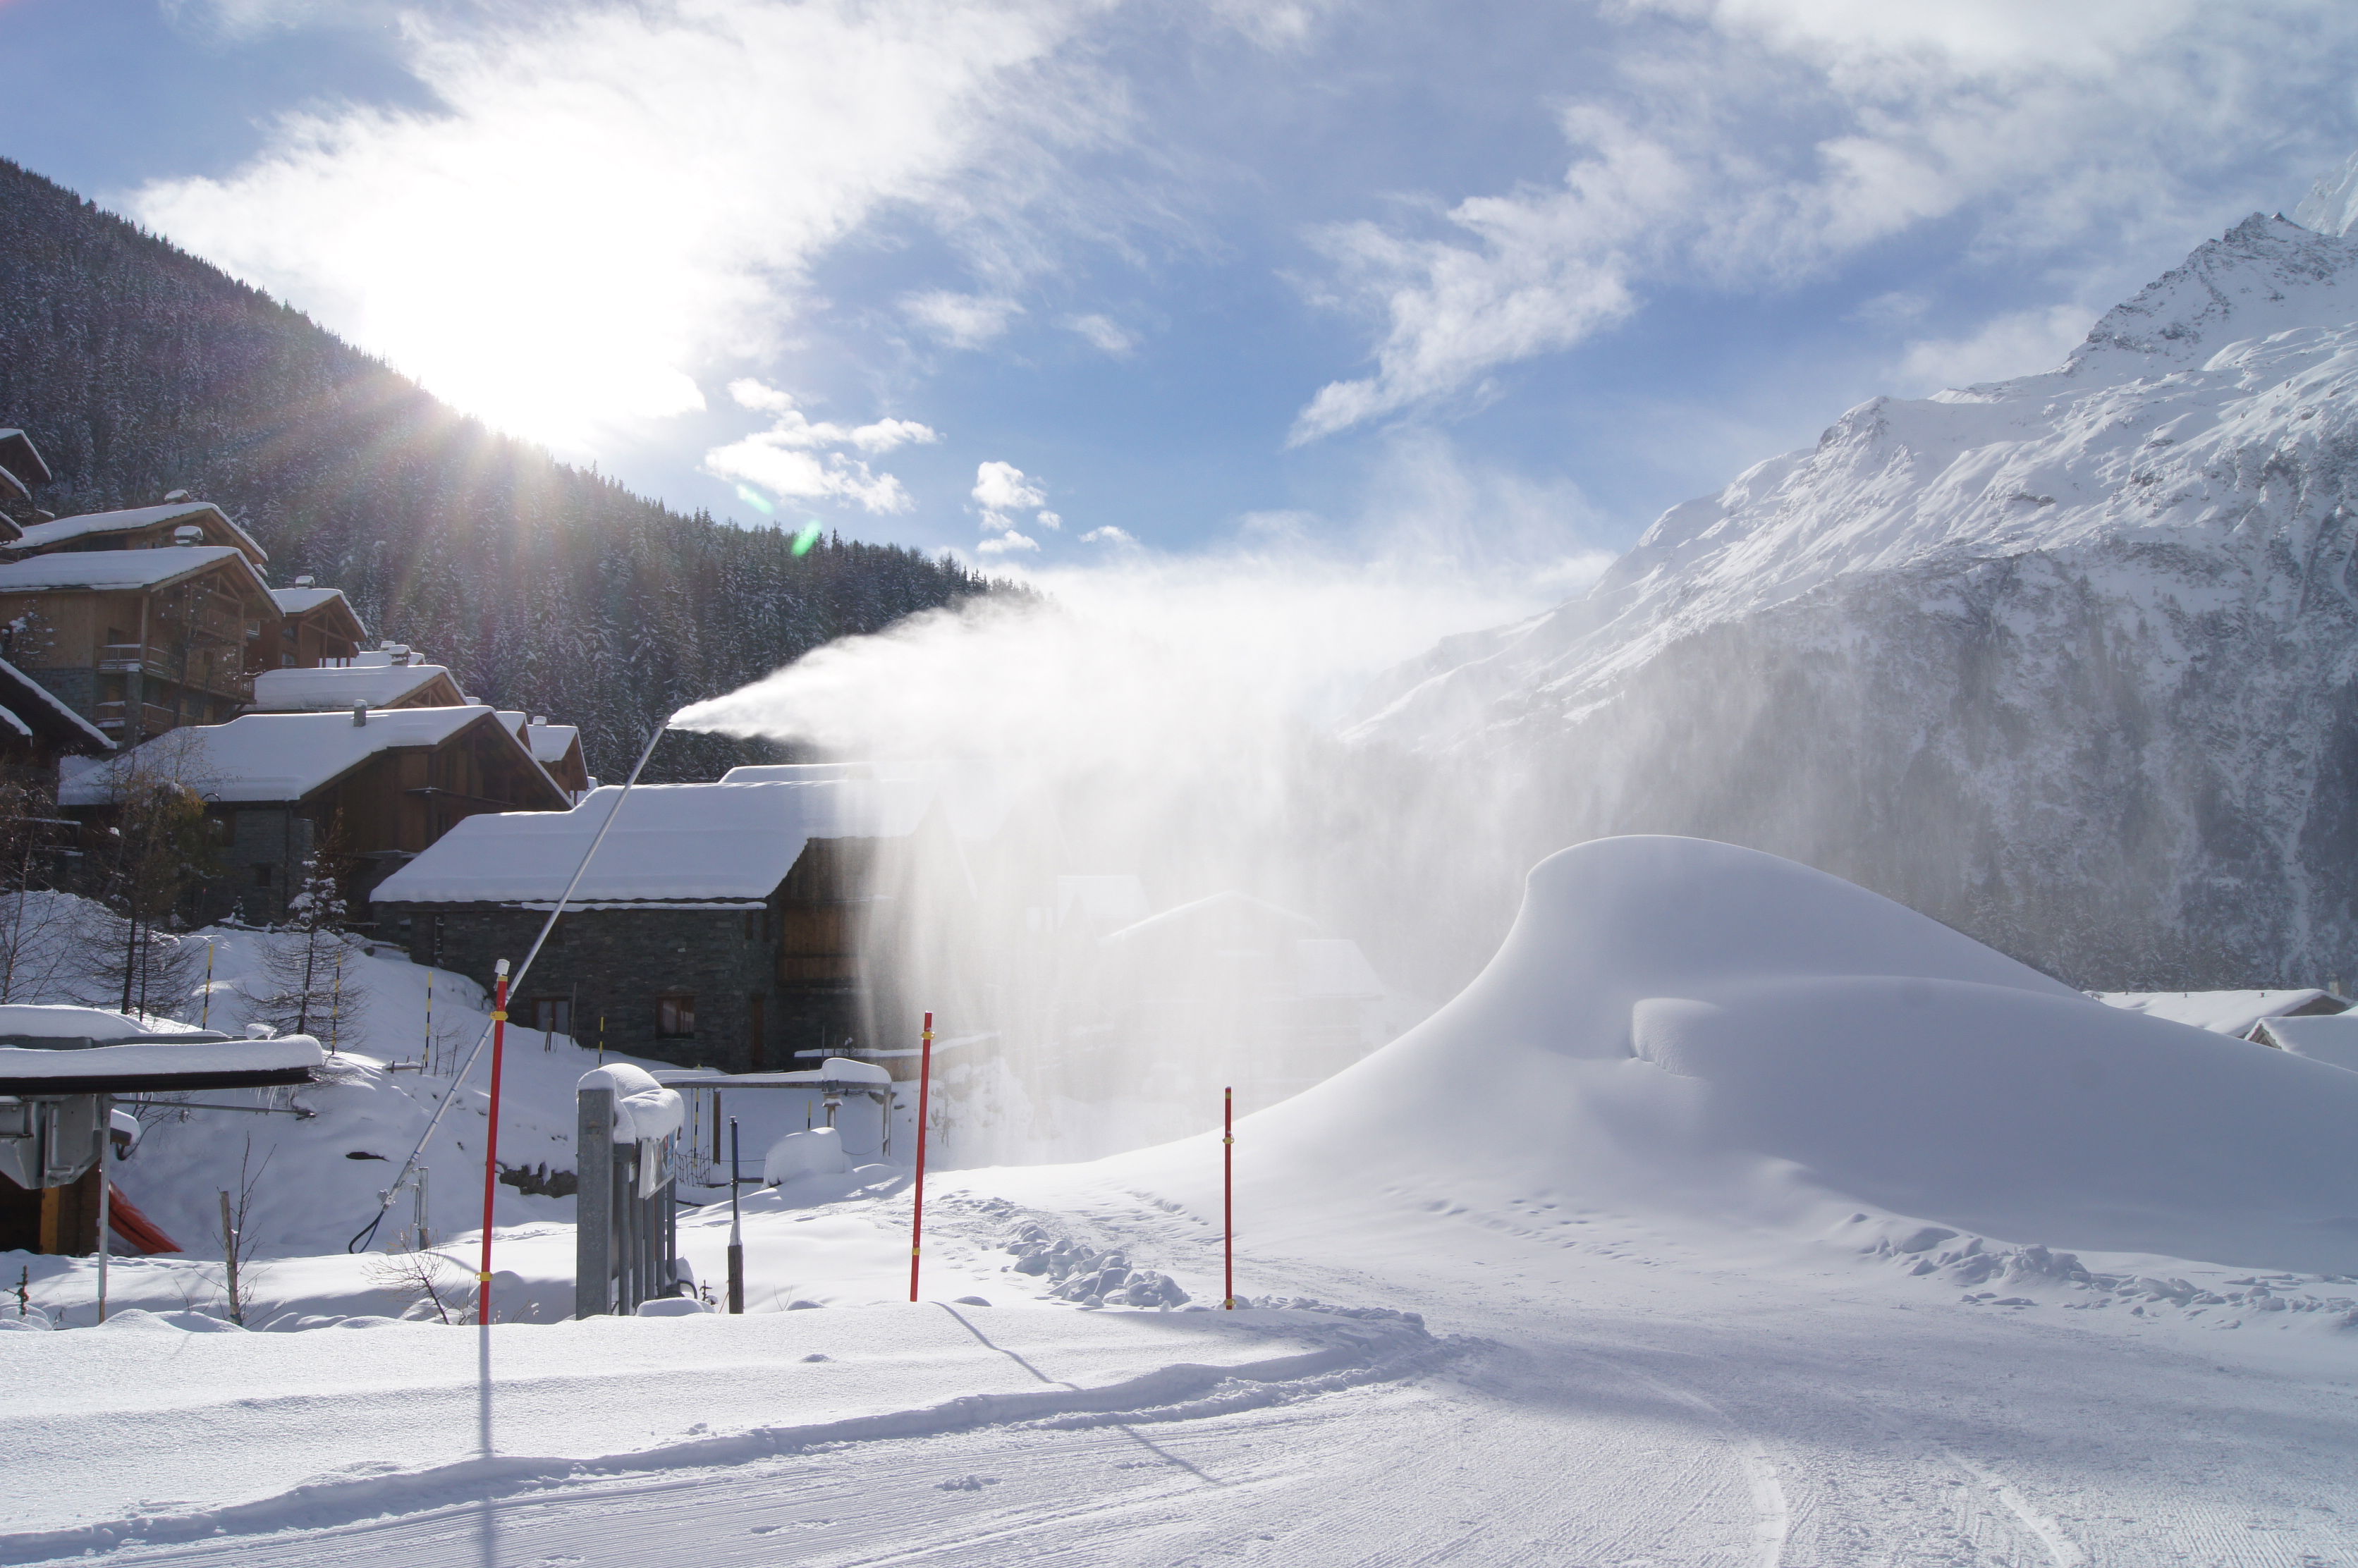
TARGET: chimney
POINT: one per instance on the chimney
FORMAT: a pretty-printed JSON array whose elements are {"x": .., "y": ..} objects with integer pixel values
[
  {"x": 172, "y": 495},
  {"x": 190, "y": 535},
  {"x": 302, "y": 582},
  {"x": 360, "y": 715},
  {"x": 540, "y": 718}
]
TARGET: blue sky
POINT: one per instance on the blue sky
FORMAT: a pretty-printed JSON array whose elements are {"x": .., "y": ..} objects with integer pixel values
[{"x": 1496, "y": 282}]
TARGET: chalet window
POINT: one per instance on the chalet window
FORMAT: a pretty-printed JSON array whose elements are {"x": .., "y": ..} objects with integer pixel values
[
  {"x": 753, "y": 926},
  {"x": 675, "y": 1017},
  {"x": 227, "y": 828},
  {"x": 554, "y": 1014},
  {"x": 262, "y": 873}
]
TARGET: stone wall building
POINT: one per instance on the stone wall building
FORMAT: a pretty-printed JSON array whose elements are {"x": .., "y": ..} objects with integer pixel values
[{"x": 732, "y": 926}]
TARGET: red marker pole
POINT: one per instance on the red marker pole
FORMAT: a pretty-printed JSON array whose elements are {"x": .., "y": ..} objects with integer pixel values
[
  {"x": 918, "y": 1215},
  {"x": 492, "y": 1144},
  {"x": 1228, "y": 1200}
]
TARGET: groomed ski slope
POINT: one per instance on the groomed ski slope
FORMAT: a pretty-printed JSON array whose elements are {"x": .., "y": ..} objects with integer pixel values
[{"x": 1753, "y": 1220}]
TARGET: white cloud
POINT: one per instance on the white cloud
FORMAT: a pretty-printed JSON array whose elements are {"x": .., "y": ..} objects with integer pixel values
[
  {"x": 799, "y": 457},
  {"x": 1001, "y": 490},
  {"x": 1748, "y": 144},
  {"x": 1102, "y": 333},
  {"x": 1109, "y": 535},
  {"x": 1010, "y": 540},
  {"x": 792, "y": 429},
  {"x": 961, "y": 320},
  {"x": 2020, "y": 342},
  {"x": 605, "y": 197}
]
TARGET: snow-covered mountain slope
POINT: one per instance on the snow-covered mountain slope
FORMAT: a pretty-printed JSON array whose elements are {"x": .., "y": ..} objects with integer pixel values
[{"x": 2069, "y": 661}]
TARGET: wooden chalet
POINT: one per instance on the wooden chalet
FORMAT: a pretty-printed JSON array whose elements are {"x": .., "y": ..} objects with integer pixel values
[
  {"x": 556, "y": 747},
  {"x": 371, "y": 789},
  {"x": 136, "y": 641},
  {"x": 318, "y": 626}
]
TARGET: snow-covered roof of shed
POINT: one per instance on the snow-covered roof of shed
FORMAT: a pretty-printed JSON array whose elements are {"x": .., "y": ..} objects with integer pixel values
[
  {"x": 272, "y": 756},
  {"x": 50, "y": 1021},
  {"x": 209, "y": 1061},
  {"x": 91, "y": 524},
  {"x": 2224, "y": 1013},
  {"x": 26, "y": 692},
  {"x": 693, "y": 841},
  {"x": 117, "y": 568},
  {"x": 334, "y": 687},
  {"x": 974, "y": 799}
]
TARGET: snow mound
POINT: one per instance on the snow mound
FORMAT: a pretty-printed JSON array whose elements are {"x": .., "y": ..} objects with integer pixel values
[
  {"x": 644, "y": 1108},
  {"x": 816, "y": 1153},
  {"x": 1676, "y": 1021}
]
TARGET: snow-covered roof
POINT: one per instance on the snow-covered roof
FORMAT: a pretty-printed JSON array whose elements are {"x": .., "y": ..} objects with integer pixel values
[
  {"x": 42, "y": 704},
  {"x": 2327, "y": 1038},
  {"x": 273, "y": 756},
  {"x": 208, "y": 1063},
  {"x": 549, "y": 742},
  {"x": 11, "y": 485},
  {"x": 118, "y": 568},
  {"x": 297, "y": 600},
  {"x": 974, "y": 800},
  {"x": 2227, "y": 1012},
  {"x": 42, "y": 535},
  {"x": 22, "y": 1022},
  {"x": 337, "y": 688},
  {"x": 672, "y": 841},
  {"x": 17, "y": 451}
]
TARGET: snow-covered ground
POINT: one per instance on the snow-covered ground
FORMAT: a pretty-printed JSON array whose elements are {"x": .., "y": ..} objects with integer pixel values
[{"x": 1748, "y": 1219}]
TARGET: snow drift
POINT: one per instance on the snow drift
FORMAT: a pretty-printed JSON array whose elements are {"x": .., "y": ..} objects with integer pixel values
[{"x": 1677, "y": 1021}]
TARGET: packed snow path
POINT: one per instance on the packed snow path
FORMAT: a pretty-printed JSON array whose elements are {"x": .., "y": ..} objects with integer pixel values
[{"x": 1631, "y": 1402}]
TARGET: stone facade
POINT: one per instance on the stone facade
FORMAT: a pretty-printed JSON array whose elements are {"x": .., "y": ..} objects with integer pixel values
[
  {"x": 621, "y": 963},
  {"x": 262, "y": 853}
]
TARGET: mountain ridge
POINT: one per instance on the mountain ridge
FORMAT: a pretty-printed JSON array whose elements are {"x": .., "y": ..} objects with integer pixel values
[{"x": 2070, "y": 662}]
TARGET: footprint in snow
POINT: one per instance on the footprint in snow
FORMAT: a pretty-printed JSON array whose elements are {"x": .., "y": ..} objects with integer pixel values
[{"x": 967, "y": 1483}]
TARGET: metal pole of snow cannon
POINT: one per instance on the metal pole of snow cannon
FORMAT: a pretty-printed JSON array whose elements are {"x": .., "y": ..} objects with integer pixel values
[
  {"x": 466, "y": 1067},
  {"x": 1228, "y": 1200},
  {"x": 105, "y": 1214},
  {"x": 736, "y": 1237},
  {"x": 492, "y": 1144},
  {"x": 918, "y": 1213}
]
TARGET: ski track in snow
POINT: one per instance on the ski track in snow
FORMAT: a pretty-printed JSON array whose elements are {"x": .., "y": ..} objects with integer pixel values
[{"x": 1607, "y": 1423}]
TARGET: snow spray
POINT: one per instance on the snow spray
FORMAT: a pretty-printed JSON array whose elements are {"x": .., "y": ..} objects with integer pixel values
[
  {"x": 1143, "y": 781},
  {"x": 917, "y": 1208},
  {"x": 492, "y": 1144}
]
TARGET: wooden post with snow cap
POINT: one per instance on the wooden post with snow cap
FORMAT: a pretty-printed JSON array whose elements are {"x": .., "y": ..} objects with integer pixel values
[
  {"x": 1228, "y": 1200},
  {"x": 918, "y": 1213},
  {"x": 491, "y": 1143}
]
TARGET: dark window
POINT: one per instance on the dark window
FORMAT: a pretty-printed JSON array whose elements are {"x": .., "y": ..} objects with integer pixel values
[
  {"x": 227, "y": 827},
  {"x": 674, "y": 1016},
  {"x": 752, "y": 926},
  {"x": 553, "y": 1014},
  {"x": 262, "y": 874}
]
